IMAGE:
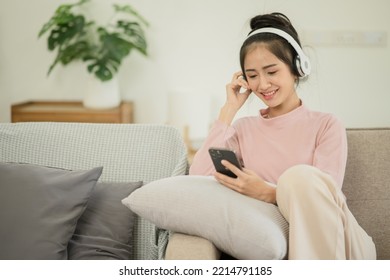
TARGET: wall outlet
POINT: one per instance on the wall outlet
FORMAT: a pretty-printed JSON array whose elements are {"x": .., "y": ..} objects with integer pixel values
[{"x": 346, "y": 38}]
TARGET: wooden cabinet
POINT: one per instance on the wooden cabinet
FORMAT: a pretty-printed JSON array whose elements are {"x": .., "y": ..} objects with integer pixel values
[{"x": 69, "y": 111}]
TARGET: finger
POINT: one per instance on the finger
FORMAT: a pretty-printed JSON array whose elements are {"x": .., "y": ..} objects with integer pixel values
[
  {"x": 237, "y": 75},
  {"x": 240, "y": 81},
  {"x": 244, "y": 90},
  {"x": 244, "y": 83},
  {"x": 231, "y": 186},
  {"x": 232, "y": 167},
  {"x": 226, "y": 180},
  {"x": 248, "y": 171}
]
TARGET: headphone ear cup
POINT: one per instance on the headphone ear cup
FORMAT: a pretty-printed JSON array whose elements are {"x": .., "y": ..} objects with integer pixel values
[
  {"x": 298, "y": 66},
  {"x": 303, "y": 66}
]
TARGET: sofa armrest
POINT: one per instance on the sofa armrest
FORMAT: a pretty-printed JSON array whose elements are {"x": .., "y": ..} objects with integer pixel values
[{"x": 189, "y": 247}]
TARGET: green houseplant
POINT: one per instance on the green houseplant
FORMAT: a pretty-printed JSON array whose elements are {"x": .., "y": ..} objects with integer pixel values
[{"x": 103, "y": 48}]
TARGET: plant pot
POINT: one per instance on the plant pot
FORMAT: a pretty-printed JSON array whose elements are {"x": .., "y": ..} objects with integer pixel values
[{"x": 101, "y": 95}]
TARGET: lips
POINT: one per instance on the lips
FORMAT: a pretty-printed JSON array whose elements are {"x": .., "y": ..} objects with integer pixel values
[{"x": 269, "y": 94}]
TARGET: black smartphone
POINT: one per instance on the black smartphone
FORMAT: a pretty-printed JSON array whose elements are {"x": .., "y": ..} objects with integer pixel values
[{"x": 218, "y": 154}]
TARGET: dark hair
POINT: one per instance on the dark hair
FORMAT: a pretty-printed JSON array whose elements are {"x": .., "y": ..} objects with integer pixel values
[{"x": 274, "y": 43}]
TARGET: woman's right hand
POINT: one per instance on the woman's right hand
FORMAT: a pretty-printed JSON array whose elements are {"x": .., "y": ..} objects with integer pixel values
[{"x": 237, "y": 92}]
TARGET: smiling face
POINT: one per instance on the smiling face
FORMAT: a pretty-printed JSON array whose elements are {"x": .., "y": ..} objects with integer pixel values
[{"x": 270, "y": 79}]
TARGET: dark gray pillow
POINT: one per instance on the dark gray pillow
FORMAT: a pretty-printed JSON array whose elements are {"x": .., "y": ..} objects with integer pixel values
[
  {"x": 39, "y": 209},
  {"x": 105, "y": 229}
]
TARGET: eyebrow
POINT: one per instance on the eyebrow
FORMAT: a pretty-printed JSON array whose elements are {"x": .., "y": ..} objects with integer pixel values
[{"x": 264, "y": 68}]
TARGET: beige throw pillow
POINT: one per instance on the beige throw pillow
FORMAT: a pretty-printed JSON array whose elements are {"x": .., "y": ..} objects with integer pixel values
[{"x": 240, "y": 226}]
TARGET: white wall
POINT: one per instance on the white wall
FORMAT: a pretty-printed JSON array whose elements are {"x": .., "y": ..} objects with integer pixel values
[{"x": 194, "y": 48}]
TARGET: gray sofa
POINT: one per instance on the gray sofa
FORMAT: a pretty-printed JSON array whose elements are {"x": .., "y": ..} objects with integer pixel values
[
  {"x": 366, "y": 186},
  {"x": 132, "y": 152}
]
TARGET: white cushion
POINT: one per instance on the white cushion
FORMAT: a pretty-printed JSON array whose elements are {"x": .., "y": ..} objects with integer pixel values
[{"x": 240, "y": 226}]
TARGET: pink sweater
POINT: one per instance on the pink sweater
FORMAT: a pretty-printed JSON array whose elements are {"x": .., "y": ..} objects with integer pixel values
[{"x": 270, "y": 146}]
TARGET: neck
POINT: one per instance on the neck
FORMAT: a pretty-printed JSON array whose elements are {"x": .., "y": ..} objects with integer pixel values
[{"x": 284, "y": 108}]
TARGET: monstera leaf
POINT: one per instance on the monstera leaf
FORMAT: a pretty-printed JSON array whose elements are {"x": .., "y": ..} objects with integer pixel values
[
  {"x": 103, "y": 48},
  {"x": 108, "y": 57},
  {"x": 134, "y": 34},
  {"x": 65, "y": 32}
]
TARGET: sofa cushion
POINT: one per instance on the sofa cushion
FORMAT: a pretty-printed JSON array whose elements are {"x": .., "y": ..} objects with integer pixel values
[
  {"x": 105, "y": 229},
  {"x": 40, "y": 207},
  {"x": 240, "y": 226},
  {"x": 366, "y": 184}
]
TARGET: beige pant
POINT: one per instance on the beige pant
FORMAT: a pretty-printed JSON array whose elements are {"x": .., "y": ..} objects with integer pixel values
[{"x": 321, "y": 225}]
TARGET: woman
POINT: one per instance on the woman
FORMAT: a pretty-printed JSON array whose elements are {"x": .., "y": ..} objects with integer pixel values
[{"x": 292, "y": 156}]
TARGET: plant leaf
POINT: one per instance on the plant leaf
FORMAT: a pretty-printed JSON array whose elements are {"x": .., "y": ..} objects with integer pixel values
[
  {"x": 62, "y": 15},
  {"x": 130, "y": 10},
  {"x": 64, "y": 32},
  {"x": 74, "y": 51},
  {"x": 134, "y": 35},
  {"x": 101, "y": 71}
]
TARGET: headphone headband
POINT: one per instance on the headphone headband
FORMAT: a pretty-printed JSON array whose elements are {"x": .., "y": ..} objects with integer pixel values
[{"x": 303, "y": 62}]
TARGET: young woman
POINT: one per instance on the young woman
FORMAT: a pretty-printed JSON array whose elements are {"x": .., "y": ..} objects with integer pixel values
[{"x": 293, "y": 157}]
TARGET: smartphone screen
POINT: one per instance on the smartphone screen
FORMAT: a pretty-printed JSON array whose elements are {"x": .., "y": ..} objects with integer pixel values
[{"x": 218, "y": 154}]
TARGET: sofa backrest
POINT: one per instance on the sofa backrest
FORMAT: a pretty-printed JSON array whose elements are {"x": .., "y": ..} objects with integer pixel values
[
  {"x": 127, "y": 152},
  {"x": 367, "y": 184},
  {"x": 133, "y": 152}
]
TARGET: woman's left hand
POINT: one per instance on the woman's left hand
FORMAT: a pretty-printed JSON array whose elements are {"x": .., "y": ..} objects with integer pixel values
[{"x": 247, "y": 183}]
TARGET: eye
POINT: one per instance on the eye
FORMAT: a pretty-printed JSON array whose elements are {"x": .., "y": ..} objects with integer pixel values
[
  {"x": 251, "y": 76},
  {"x": 272, "y": 73}
]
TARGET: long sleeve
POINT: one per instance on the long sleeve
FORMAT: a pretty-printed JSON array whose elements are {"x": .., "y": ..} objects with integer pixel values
[
  {"x": 331, "y": 150},
  {"x": 222, "y": 136}
]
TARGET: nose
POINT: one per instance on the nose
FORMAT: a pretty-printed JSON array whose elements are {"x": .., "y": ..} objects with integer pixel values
[{"x": 264, "y": 84}]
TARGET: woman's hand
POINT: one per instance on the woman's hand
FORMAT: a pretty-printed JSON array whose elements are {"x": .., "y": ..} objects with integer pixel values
[
  {"x": 247, "y": 183},
  {"x": 237, "y": 92}
]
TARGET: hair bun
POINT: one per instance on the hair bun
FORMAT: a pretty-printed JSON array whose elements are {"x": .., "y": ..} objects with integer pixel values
[{"x": 276, "y": 20}]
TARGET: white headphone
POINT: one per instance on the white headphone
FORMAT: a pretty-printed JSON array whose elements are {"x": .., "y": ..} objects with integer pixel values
[{"x": 302, "y": 62}]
